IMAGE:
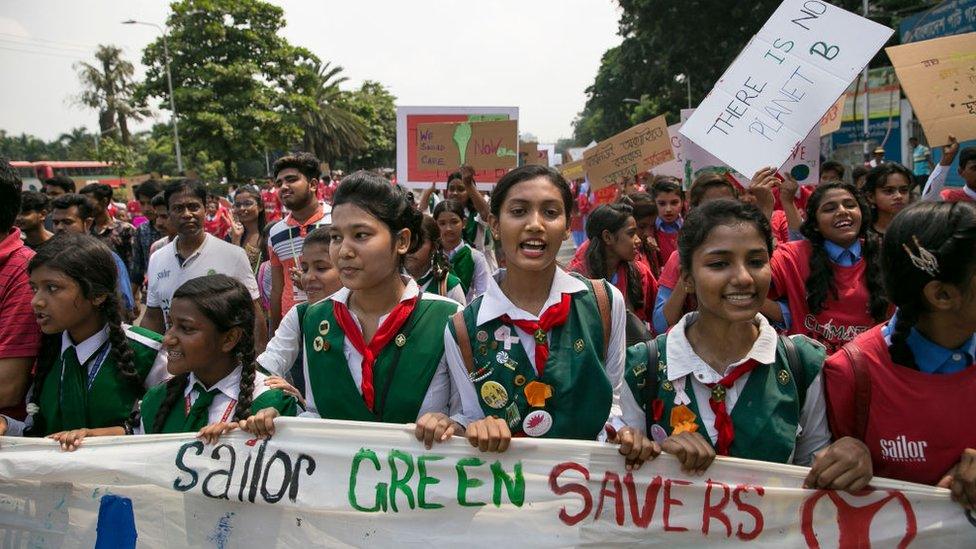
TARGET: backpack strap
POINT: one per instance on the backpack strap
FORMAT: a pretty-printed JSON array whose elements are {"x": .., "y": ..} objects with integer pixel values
[
  {"x": 603, "y": 305},
  {"x": 797, "y": 370},
  {"x": 463, "y": 340},
  {"x": 442, "y": 286},
  {"x": 862, "y": 389},
  {"x": 650, "y": 383}
]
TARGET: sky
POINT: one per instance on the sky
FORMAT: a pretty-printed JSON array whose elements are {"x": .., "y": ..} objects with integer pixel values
[{"x": 538, "y": 55}]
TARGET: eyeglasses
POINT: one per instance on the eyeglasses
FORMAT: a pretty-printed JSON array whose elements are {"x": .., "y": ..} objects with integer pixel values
[{"x": 245, "y": 204}]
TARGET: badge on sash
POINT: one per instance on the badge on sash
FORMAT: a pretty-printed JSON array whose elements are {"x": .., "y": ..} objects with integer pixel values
[
  {"x": 501, "y": 357},
  {"x": 537, "y": 423},
  {"x": 480, "y": 373},
  {"x": 319, "y": 344},
  {"x": 579, "y": 346},
  {"x": 783, "y": 377},
  {"x": 512, "y": 415},
  {"x": 481, "y": 336},
  {"x": 536, "y": 393},
  {"x": 324, "y": 327},
  {"x": 494, "y": 395},
  {"x": 519, "y": 380},
  {"x": 400, "y": 340},
  {"x": 683, "y": 420}
]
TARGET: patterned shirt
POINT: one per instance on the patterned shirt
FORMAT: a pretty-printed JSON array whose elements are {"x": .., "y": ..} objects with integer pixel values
[
  {"x": 146, "y": 234},
  {"x": 119, "y": 236}
]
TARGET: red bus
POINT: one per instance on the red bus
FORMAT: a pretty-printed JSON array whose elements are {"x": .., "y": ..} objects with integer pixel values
[{"x": 82, "y": 171}]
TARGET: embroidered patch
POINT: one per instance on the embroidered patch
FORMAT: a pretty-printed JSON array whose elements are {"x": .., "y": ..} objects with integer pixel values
[{"x": 640, "y": 369}]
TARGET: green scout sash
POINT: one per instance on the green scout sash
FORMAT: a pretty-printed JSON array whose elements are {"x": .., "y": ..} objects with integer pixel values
[
  {"x": 179, "y": 421},
  {"x": 69, "y": 398},
  {"x": 401, "y": 385},
  {"x": 462, "y": 265},
  {"x": 442, "y": 287},
  {"x": 581, "y": 392},
  {"x": 767, "y": 411}
]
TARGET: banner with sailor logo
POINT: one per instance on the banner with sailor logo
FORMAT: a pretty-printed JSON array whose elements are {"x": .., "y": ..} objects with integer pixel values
[{"x": 346, "y": 483}]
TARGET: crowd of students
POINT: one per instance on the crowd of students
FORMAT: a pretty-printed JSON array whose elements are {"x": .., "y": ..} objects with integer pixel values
[{"x": 830, "y": 326}]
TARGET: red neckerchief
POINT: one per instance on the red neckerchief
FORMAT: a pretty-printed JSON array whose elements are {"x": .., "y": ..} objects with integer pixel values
[
  {"x": 723, "y": 422},
  {"x": 555, "y": 315},
  {"x": 386, "y": 332}
]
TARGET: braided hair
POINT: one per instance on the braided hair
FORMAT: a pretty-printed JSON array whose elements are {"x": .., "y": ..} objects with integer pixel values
[
  {"x": 612, "y": 218},
  {"x": 820, "y": 282},
  {"x": 440, "y": 266},
  {"x": 925, "y": 242},
  {"x": 227, "y": 304},
  {"x": 88, "y": 262}
]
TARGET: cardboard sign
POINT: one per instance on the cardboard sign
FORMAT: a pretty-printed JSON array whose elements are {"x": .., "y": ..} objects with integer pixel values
[
  {"x": 831, "y": 120},
  {"x": 532, "y": 155},
  {"x": 675, "y": 167},
  {"x": 628, "y": 153},
  {"x": 572, "y": 170},
  {"x": 484, "y": 146},
  {"x": 408, "y": 170},
  {"x": 783, "y": 82},
  {"x": 939, "y": 78}
]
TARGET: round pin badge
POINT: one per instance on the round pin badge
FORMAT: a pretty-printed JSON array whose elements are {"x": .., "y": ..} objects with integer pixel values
[
  {"x": 501, "y": 357},
  {"x": 537, "y": 423},
  {"x": 481, "y": 336},
  {"x": 324, "y": 327},
  {"x": 494, "y": 395},
  {"x": 658, "y": 433}
]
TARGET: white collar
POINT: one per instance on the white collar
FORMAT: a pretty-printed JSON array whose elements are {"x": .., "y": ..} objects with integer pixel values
[
  {"x": 412, "y": 290},
  {"x": 230, "y": 385},
  {"x": 969, "y": 192},
  {"x": 683, "y": 361},
  {"x": 86, "y": 348},
  {"x": 176, "y": 246},
  {"x": 450, "y": 253},
  {"x": 495, "y": 303}
]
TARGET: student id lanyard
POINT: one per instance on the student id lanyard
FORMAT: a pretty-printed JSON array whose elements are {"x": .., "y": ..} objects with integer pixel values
[{"x": 223, "y": 419}]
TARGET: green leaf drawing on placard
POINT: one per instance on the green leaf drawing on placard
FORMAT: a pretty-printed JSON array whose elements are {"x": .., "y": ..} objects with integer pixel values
[{"x": 462, "y": 134}]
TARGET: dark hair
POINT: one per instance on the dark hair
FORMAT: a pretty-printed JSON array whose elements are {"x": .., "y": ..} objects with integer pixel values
[
  {"x": 191, "y": 186},
  {"x": 454, "y": 175},
  {"x": 947, "y": 231},
  {"x": 663, "y": 186},
  {"x": 706, "y": 182},
  {"x": 66, "y": 201},
  {"x": 305, "y": 163},
  {"x": 384, "y": 201},
  {"x": 101, "y": 191},
  {"x": 715, "y": 213},
  {"x": 64, "y": 182},
  {"x": 611, "y": 217},
  {"x": 878, "y": 177},
  {"x": 33, "y": 201},
  {"x": 450, "y": 206},
  {"x": 526, "y": 173},
  {"x": 966, "y": 156},
  {"x": 148, "y": 189},
  {"x": 821, "y": 278},
  {"x": 320, "y": 236},
  {"x": 261, "y": 221},
  {"x": 88, "y": 262},
  {"x": 440, "y": 266},
  {"x": 644, "y": 205},
  {"x": 227, "y": 304},
  {"x": 833, "y": 166},
  {"x": 10, "y": 192},
  {"x": 857, "y": 173},
  {"x": 159, "y": 200}
]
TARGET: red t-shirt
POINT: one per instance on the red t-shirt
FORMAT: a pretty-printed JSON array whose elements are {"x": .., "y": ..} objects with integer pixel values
[
  {"x": 781, "y": 228},
  {"x": 20, "y": 336},
  {"x": 955, "y": 195},
  {"x": 578, "y": 265},
  {"x": 218, "y": 225},
  {"x": 667, "y": 243},
  {"x": 918, "y": 425},
  {"x": 842, "y": 319},
  {"x": 272, "y": 205}
]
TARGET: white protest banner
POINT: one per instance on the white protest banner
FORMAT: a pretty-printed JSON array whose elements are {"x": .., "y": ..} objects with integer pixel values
[
  {"x": 782, "y": 83},
  {"x": 319, "y": 483},
  {"x": 676, "y": 167}
]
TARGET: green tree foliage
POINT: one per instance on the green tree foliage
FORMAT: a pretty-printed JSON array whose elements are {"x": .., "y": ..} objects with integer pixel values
[
  {"x": 239, "y": 86},
  {"x": 331, "y": 130},
  {"x": 108, "y": 85},
  {"x": 698, "y": 38},
  {"x": 376, "y": 107}
]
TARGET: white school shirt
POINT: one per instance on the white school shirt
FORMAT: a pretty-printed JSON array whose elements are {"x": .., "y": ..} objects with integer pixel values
[
  {"x": 86, "y": 350},
  {"x": 479, "y": 280},
  {"x": 441, "y": 395},
  {"x": 813, "y": 432},
  {"x": 623, "y": 410},
  {"x": 166, "y": 274},
  {"x": 226, "y": 399}
]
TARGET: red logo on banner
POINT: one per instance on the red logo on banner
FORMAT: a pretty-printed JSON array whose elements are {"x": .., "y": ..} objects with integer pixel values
[{"x": 854, "y": 523}]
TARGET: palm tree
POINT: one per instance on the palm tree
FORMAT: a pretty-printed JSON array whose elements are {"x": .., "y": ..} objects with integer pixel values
[
  {"x": 108, "y": 87},
  {"x": 331, "y": 130}
]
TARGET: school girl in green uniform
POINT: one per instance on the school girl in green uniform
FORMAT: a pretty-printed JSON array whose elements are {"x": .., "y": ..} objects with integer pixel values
[
  {"x": 540, "y": 354},
  {"x": 373, "y": 350},
  {"x": 467, "y": 263},
  {"x": 721, "y": 381},
  {"x": 93, "y": 369},
  {"x": 429, "y": 266},
  {"x": 216, "y": 381}
]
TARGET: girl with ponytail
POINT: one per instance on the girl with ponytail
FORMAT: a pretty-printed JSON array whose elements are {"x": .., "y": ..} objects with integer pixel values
[
  {"x": 429, "y": 265},
  {"x": 612, "y": 255},
  {"x": 831, "y": 280},
  {"x": 468, "y": 264},
  {"x": 373, "y": 350},
  {"x": 905, "y": 387},
  {"x": 93, "y": 369}
]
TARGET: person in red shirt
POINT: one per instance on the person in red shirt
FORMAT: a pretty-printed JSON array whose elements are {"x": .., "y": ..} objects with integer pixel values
[
  {"x": 967, "y": 169},
  {"x": 272, "y": 204},
  {"x": 217, "y": 221},
  {"x": 612, "y": 255},
  {"x": 906, "y": 388},
  {"x": 831, "y": 280},
  {"x": 670, "y": 207},
  {"x": 20, "y": 336}
]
